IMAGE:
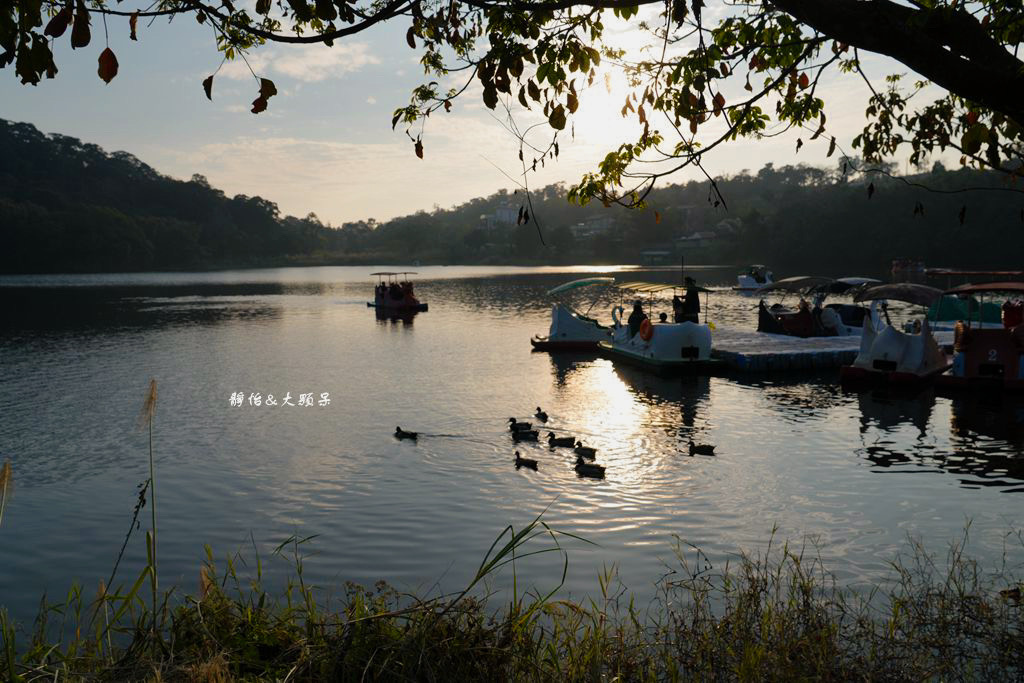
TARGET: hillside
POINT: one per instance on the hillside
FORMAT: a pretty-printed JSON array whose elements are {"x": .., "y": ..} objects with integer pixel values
[{"x": 70, "y": 206}]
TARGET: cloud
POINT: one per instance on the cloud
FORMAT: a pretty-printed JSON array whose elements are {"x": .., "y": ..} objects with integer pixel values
[
  {"x": 371, "y": 100},
  {"x": 308, "y": 63}
]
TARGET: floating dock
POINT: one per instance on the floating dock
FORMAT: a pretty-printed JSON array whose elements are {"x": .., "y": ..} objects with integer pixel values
[{"x": 750, "y": 351}]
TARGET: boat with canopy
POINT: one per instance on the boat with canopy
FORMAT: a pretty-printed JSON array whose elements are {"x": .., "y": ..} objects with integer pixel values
[
  {"x": 570, "y": 329},
  {"x": 814, "y": 318},
  {"x": 752, "y": 279},
  {"x": 657, "y": 344},
  {"x": 989, "y": 355},
  {"x": 891, "y": 355},
  {"x": 394, "y": 292}
]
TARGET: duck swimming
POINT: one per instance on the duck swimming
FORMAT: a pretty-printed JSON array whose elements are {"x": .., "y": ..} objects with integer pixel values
[
  {"x": 525, "y": 435},
  {"x": 525, "y": 462},
  {"x": 541, "y": 415},
  {"x": 569, "y": 441},
  {"x": 588, "y": 469},
  {"x": 585, "y": 451},
  {"x": 514, "y": 426},
  {"x": 402, "y": 434},
  {"x": 701, "y": 449}
]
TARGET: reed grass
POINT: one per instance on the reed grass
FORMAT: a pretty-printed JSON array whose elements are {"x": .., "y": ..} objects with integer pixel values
[
  {"x": 5, "y": 487},
  {"x": 774, "y": 616}
]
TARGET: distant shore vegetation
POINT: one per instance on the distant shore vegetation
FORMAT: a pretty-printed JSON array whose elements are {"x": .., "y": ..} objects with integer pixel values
[{"x": 70, "y": 206}]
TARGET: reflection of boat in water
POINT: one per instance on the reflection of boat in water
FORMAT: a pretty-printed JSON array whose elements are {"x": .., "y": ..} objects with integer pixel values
[
  {"x": 661, "y": 346},
  {"x": 813, "y": 319},
  {"x": 890, "y": 355},
  {"x": 753, "y": 278},
  {"x": 888, "y": 410},
  {"x": 994, "y": 415},
  {"x": 386, "y": 315},
  {"x": 570, "y": 329},
  {"x": 395, "y": 294},
  {"x": 989, "y": 357}
]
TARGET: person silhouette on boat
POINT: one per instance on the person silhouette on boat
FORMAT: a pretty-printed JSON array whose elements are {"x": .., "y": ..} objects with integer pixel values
[
  {"x": 636, "y": 318},
  {"x": 691, "y": 302}
]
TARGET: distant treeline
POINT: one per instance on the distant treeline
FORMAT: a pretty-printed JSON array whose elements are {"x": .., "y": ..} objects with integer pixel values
[{"x": 69, "y": 206}]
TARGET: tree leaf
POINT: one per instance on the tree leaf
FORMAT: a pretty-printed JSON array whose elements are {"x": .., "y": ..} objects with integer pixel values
[
  {"x": 262, "y": 6},
  {"x": 133, "y": 23},
  {"x": 963, "y": 213},
  {"x": 719, "y": 103},
  {"x": 107, "y": 65},
  {"x": 831, "y": 147},
  {"x": 557, "y": 118},
  {"x": 871, "y": 190},
  {"x": 410, "y": 37},
  {"x": 804, "y": 81},
  {"x": 657, "y": 217},
  {"x": 490, "y": 96},
  {"x": 572, "y": 103},
  {"x": 325, "y": 10},
  {"x": 80, "y": 35},
  {"x": 267, "y": 90},
  {"x": 533, "y": 91},
  {"x": 56, "y": 27},
  {"x": 419, "y": 148},
  {"x": 208, "y": 87}
]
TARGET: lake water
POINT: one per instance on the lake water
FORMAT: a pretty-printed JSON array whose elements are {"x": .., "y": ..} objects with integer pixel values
[{"x": 855, "y": 472}]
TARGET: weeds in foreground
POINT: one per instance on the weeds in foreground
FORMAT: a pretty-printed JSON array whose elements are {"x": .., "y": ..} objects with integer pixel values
[{"x": 778, "y": 615}]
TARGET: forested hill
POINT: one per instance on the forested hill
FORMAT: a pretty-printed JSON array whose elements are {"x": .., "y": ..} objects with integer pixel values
[{"x": 69, "y": 206}]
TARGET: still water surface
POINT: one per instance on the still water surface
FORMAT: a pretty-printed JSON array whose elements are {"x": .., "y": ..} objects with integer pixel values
[{"x": 856, "y": 472}]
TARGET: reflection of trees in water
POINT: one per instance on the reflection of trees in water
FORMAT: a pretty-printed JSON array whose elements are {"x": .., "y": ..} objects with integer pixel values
[
  {"x": 986, "y": 436},
  {"x": 84, "y": 310}
]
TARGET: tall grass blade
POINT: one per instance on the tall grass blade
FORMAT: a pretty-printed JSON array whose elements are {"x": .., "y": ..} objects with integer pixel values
[{"x": 5, "y": 487}]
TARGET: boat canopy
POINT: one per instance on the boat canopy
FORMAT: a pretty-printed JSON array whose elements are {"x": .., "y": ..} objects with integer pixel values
[
  {"x": 987, "y": 287},
  {"x": 404, "y": 272},
  {"x": 654, "y": 287},
  {"x": 845, "y": 284},
  {"x": 799, "y": 283},
  {"x": 585, "y": 282},
  {"x": 922, "y": 295}
]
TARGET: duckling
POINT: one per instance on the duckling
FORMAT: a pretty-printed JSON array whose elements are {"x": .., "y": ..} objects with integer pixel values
[
  {"x": 569, "y": 441},
  {"x": 514, "y": 426},
  {"x": 585, "y": 451},
  {"x": 525, "y": 462},
  {"x": 701, "y": 449},
  {"x": 588, "y": 469},
  {"x": 402, "y": 434},
  {"x": 541, "y": 415},
  {"x": 525, "y": 435}
]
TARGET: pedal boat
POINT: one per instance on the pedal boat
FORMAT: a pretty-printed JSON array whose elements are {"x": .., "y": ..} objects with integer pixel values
[
  {"x": 989, "y": 356},
  {"x": 571, "y": 330},
  {"x": 892, "y": 356},
  {"x": 660, "y": 347},
  {"x": 395, "y": 294},
  {"x": 815, "y": 319}
]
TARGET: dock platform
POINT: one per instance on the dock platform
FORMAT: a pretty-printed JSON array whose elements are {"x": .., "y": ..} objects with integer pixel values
[{"x": 751, "y": 351}]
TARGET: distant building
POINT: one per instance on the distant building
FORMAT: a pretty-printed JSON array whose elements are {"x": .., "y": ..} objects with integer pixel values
[
  {"x": 698, "y": 240},
  {"x": 503, "y": 217},
  {"x": 592, "y": 227}
]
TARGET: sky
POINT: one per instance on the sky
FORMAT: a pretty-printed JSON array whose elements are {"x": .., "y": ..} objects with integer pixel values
[{"x": 325, "y": 144}]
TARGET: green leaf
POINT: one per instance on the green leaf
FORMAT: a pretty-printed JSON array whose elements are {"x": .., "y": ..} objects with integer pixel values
[{"x": 557, "y": 118}]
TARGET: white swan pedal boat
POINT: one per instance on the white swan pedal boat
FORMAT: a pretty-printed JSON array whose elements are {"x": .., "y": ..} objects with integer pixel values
[
  {"x": 571, "y": 330},
  {"x": 891, "y": 355},
  {"x": 659, "y": 346}
]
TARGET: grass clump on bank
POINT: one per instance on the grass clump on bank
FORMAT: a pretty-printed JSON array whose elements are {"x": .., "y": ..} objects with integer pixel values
[{"x": 774, "y": 616}]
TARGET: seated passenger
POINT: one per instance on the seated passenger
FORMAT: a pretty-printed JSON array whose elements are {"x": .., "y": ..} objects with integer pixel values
[
  {"x": 663, "y": 317},
  {"x": 636, "y": 318}
]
